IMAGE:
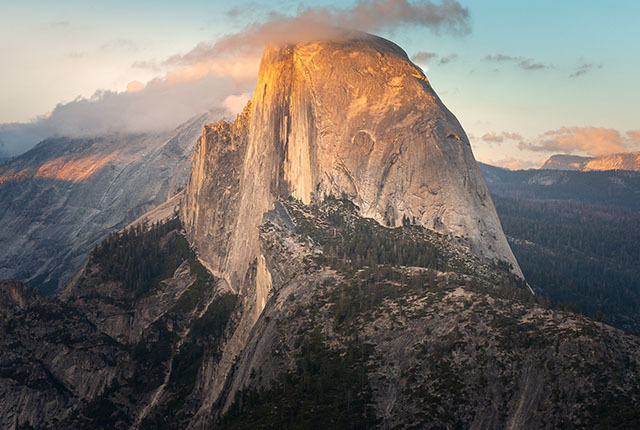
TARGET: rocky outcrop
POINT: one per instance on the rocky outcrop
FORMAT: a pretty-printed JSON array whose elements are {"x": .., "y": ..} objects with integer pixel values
[
  {"x": 63, "y": 197},
  {"x": 52, "y": 359},
  {"x": 313, "y": 312},
  {"x": 565, "y": 162},
  {"x": 352, "y": 118},
  {"x": 622, "y": 161}
]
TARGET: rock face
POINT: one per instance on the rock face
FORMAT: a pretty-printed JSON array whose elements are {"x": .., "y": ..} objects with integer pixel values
[
  {"x": 353, "y": 118},
  {"x": 52, "y": 359},
  {"x": 63, "y": 197},
  {"x": 565, "y": 162},
  {"x": 622, "y": 161}
]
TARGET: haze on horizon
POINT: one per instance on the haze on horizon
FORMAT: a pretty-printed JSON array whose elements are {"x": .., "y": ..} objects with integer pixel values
[{"x": 525, "y": 80}]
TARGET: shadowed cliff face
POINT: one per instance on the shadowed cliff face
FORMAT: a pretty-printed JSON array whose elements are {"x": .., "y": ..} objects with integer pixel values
[{"x": 353, "y": 118}]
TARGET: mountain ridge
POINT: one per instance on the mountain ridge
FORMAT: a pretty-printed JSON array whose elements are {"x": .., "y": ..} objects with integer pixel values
[
  {"x": 620, "y": 161},
  {"x": 64, "y": 196}
]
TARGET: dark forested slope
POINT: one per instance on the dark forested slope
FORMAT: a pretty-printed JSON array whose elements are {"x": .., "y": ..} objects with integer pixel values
[{"x": 576, "y": 236}]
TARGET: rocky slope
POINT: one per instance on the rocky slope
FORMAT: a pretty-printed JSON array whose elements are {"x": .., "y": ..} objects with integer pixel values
[
  {"x": 353, "y": 118},
  {"x": 363, "y": 327},
  {"x": 622, "y": 161},
  {"x": 63, "y": 197},
  {"x": 52, "y": 359}
]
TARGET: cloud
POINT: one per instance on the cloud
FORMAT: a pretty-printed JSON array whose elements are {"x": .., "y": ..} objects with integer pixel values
[
  {"x": 513, "y": 163},
  {"x": 426, "y": 57},
  {"x": 152, "y": 65},
  {"x": 59, "y": 24},
  {"x": 634, "y": 135},
  {"x": 159, "y": 105},
  {"x": 119, "y": 45},
  {"x": 449, "y": 58},
  {"x": 523, "y": 63},
  {"x": 235, "y": 103},
  {"x": 423, "y": 57},
  {"x": 594, "y": 141},
  {"x": 584, "y": 68},
  {"x": 499, "y": 58},
  {"x": 135, "y": 86},
  {"x": 325, "y": 23},
  {"x": 532, "y": 65},
  {"x": 493, "y": 137}
]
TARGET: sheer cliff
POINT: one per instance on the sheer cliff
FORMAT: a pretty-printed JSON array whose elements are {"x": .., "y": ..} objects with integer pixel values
[{"x": 352, "y": 118}]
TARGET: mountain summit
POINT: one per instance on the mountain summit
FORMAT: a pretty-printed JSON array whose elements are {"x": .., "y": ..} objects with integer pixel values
[{"x": 353, "y": 118}]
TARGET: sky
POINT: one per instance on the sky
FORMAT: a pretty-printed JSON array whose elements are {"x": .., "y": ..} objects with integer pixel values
[{"x": 526, "y": 79}]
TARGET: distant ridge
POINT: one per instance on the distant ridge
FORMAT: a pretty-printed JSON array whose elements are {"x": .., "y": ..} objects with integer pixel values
[{"x": 621, "y": 161}]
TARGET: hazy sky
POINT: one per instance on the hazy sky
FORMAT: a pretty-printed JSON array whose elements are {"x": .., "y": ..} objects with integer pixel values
[{"x": 525, "y": 78}]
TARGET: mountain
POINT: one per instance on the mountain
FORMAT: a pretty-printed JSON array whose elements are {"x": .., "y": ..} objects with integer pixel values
[
  {"x": 617, "y": 188},
  {"x": 576, "y": 237},
  {"x": 60, "y": 199},
  {"x": 309, "y": 278},
  {"x": 565, "y": 162},
  {"x": 364, "y": 326},
  {"x": 622, "y": 161},
  {"x": 353, "y": 119}
]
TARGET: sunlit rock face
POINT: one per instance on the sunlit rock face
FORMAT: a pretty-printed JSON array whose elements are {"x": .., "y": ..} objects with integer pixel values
[
  {"x": 353, "y": 118},
  {"x": 623, "y": 161},
  {"x": 565, "y": 162}
]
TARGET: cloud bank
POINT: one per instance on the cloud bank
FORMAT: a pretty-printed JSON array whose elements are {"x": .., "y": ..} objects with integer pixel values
[
  {"x": 493, "y": 137},
  {"x": 594, "y": 141},
  {"x": 220, "y": 74},
  {"x": 156, "y": 107}
]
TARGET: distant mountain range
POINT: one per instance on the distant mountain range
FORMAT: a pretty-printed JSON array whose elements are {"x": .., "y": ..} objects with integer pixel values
[{"x": 621, "y": 161}]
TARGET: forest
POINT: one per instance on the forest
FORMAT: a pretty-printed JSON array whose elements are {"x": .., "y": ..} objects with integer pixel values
[{"x": 582, "y": 256}]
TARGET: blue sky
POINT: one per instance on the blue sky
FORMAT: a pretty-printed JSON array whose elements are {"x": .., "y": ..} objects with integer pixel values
[{"x": 533, "y": 78}]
